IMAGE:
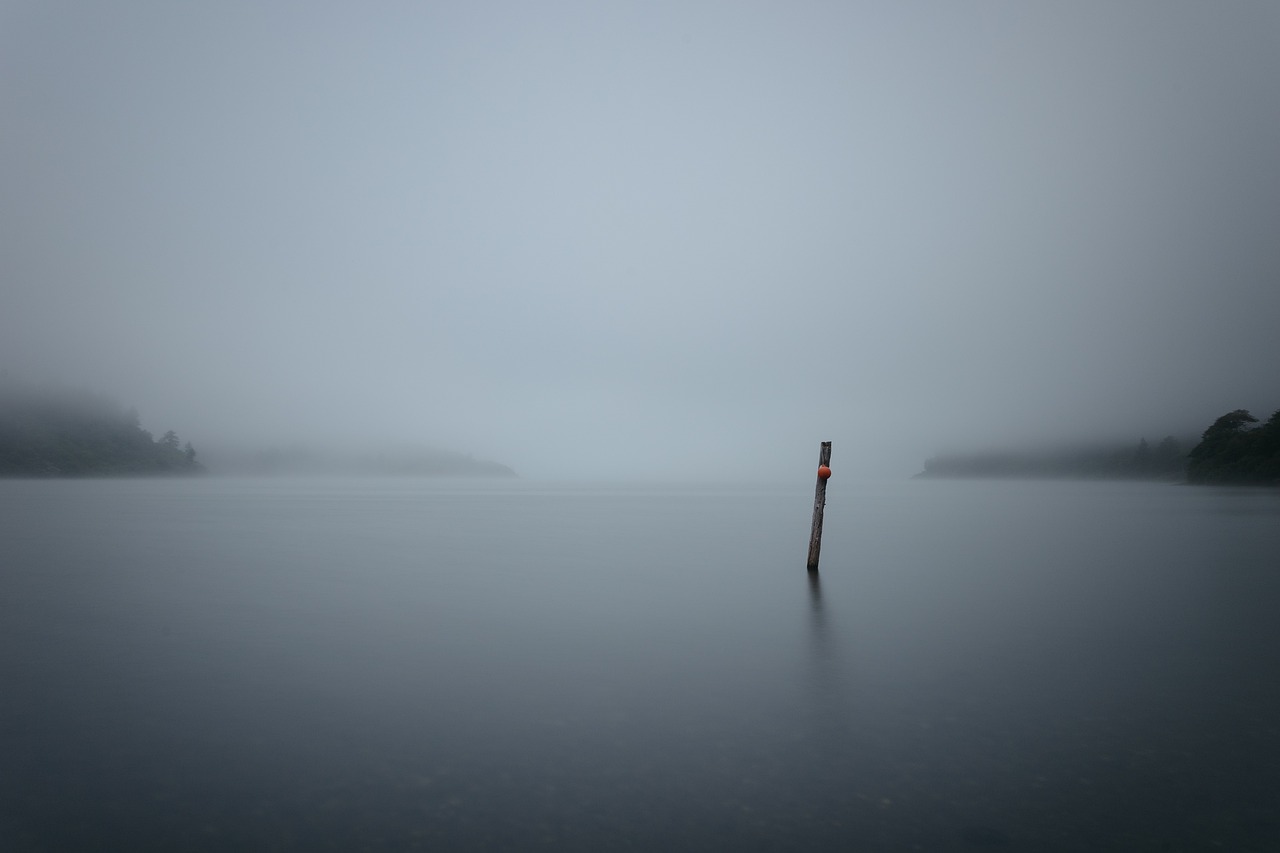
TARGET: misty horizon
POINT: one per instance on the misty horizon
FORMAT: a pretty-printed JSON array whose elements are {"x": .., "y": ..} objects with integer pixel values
[
  {"x": 661, "y": 241},
  {"x": 65, "y": 414}
]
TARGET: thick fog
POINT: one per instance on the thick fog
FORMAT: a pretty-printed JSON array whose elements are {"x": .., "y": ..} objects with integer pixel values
[{"x": 658, "y": 239}]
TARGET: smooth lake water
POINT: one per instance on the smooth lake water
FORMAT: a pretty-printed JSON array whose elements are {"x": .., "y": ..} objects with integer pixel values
[{"x": 221, "y": 664}]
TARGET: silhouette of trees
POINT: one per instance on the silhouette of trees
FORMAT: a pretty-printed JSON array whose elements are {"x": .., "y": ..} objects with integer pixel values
[
  {"x": 1233, "y": 450},
  {"x": 47, "y": 432}
]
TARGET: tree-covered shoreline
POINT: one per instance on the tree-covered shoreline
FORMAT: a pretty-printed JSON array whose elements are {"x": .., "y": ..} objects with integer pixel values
[
  {"x": 59, "y": 432},
  {"x": 1233, "y": 451}
]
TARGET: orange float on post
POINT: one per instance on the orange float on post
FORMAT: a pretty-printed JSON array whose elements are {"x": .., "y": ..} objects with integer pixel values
[{"x": 824, "y": 473}]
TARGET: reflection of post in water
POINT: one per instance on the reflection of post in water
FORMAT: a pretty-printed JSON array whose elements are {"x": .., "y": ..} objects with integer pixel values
[
  {"x": 826, "y": 676},
  {"x": 817, "y": 620}
]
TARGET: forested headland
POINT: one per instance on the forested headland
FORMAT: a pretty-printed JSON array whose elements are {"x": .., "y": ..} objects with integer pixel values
[
  {"x": 59, "y": 432},
  {"x": 1234, "y": 450}
]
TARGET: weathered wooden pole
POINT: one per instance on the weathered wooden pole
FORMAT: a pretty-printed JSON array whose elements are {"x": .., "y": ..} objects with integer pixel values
[{"x": 819, "y": 501}]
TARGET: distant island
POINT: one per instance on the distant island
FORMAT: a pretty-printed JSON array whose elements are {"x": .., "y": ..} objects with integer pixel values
[
  {"x": 1233, "y": 451},
  {"x": 57, "y": 432},
  {"x": 302, "y": 459}
]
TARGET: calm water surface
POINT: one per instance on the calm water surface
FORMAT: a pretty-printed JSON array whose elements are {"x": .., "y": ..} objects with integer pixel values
[{"x": 226, "y": 664}]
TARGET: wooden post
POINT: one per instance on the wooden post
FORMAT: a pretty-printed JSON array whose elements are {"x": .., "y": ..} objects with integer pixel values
[{"x": 819, "y": 501}]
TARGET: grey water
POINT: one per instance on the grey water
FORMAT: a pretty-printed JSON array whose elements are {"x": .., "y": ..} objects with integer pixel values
[{"x": 218, "y": 664}]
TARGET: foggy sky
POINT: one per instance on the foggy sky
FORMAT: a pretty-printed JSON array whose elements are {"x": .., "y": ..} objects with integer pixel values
[{"x": 651, "y": 239}]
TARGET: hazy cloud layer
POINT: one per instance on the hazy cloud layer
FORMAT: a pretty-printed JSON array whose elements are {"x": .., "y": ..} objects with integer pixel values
[{"x": 605, "y": 239}]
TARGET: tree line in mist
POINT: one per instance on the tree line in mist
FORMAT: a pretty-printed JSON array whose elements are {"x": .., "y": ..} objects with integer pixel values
[
  {"x": 62, "y": 432},
  {"x": 1165, "y": 460},
  {"x": 1234, "y": 450},
  {"x": 48, "y": 432}
]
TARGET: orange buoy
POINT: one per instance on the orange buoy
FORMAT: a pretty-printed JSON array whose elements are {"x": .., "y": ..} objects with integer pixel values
[{"x": 824, "y": 473}]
